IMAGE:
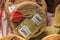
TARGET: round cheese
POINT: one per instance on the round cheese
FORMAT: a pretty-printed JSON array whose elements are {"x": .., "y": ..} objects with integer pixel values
[
  {"x": 12, "y": 37},
  {"x": 52, "y": 37}
]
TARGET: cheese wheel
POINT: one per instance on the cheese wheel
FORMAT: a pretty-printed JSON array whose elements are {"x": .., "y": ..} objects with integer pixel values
[
  {"x": 19, "y": 1},
  {"x": 52, "y": 37},
  {"x": 42, "y": 2},
  {"x": 13, "y": 3},
  {"x": 57, "y": 17},
  {"x": 40, "y": 31},
  {"x": 34, "y": 18},
  {"x": 44, "y": 7},
  {"x": 10, "y": 5},
  {"x": 12, "y": 37}
]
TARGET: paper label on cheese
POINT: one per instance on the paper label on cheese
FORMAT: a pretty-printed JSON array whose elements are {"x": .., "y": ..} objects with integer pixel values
[
  {"x": 11, "y": 8},
  {"x": 24, "y": 31},
  {"x": 37, "y": 19}
]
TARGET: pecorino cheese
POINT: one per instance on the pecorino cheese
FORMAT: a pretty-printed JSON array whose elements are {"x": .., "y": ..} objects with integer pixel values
[
  {"x": 19, "y": 1},
  {"x": 11, "y": 4},
  {"x": 10, "y": 7},
  {"x": 34, "y": 18},
  {"x": 57, "y": 17},
  {"x": 43, "y": 4},
  {"x": 52, "y": 37},
  {"x": 12, "y": 37}
]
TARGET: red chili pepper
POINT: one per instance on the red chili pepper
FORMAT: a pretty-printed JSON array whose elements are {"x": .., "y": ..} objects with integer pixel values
[
  {"x": 17, "y": 16},
  {"x": 0, "y": 16},
  {"x": 1, "y": 11}
]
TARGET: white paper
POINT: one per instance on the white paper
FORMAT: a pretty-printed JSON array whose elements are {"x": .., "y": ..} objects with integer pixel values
[
  {"x": 11, "y": 8},
  {"x": 24, "y": 31},
  {"x": 37, "y": 19}
]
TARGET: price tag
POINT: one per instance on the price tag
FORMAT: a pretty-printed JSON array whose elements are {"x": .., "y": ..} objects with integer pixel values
[
  {"x": 37, "y": 19},
  {"x": 11, "y": 8},
  {"x": 24, "y": 31}
]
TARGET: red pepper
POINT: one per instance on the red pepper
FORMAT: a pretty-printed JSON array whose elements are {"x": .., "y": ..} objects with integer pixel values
[
  {"x": 17, "y": 16},
  {"x": 1, "y": 11},
  {"x": 0, "y": 16}
]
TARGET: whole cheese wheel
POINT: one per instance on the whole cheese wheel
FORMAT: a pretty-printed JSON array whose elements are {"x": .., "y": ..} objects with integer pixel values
[
  {"x": 15, "y": 2},
  {"x": 10, "y": 5},
  {"x": 56, "y": 22},
  {"x": 12, "y": 37},
  {"x": 51, "y": 30},
  {"x": 34, "y": 18},
  {"x": 20, "y": 1},
  {"x": 43, "y": 4},
  {"x": 52, "y": 37}
]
